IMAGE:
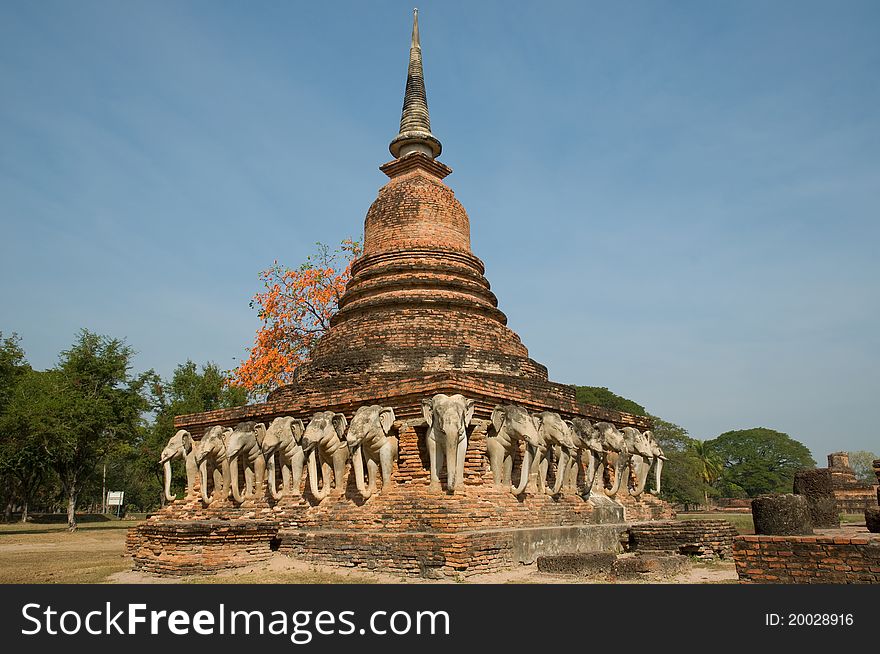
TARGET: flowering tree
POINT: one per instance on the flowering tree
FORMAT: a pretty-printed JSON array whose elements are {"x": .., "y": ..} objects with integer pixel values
[{"x": 295, "y": 308}]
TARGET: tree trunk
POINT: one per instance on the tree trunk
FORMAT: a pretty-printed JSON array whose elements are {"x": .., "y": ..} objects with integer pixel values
[
  {"x": 71, "y": 511},
  {"x": 24, "y": 510}
]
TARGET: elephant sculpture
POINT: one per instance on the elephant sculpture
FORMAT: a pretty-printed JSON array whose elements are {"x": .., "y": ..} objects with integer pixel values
[
  {"x": 283, "y": 441},
  {"x": 613, "y": 444},
  {"x": 212, "y": 453},
  {"x": 511, "y": 424},
  {"x": 645, "y": 454},
  {"x": 180, "y": 446},
  {"x": 245, "y": 446},
  {"x": 324, "y": 438},
  {"x": 369, "y": 442},
  {"x": 589, "y": 443},
  {"x": 448, "y": 417},
  {"x": 558, "y": 437}
]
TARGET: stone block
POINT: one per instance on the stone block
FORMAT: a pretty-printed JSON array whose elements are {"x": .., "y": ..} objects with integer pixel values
[
  {"x": 782, "y": 515},
  {"x": 585, "y": 564}
]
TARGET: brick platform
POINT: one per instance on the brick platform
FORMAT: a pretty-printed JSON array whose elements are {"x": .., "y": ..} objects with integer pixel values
[
  {"x": 822, "y": 559},
  {"x": 183, "y": 547}
]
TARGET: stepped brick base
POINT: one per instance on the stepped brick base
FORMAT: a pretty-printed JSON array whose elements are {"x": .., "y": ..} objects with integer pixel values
[
  {"x": 408, "y": 527},
  {"x": 182, "y": 547}
]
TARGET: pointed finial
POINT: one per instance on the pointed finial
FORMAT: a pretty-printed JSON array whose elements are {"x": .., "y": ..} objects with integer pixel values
[
  {"x": 415, "y": 122},
  {"x": 415, "y": 34}
]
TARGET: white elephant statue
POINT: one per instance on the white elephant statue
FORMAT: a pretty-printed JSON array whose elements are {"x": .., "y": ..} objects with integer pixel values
[
  {"x": 245, "y": 447},
  {"x": 448, "y": 417},
  {"x": 324, "y": 439},
  {"x": 283, "y": 441},
  {"x": 510, "y": 425},
  {"x": 180, "y": 446},
  {"x": 369, "y": 441},
  {"x": 589, "y": 443},
  {"x": 645, "y": 454},
  {"x": 616, "y": 455},
  {"x": 212, "y": 454},
  {"x": 557, "y": 435}
]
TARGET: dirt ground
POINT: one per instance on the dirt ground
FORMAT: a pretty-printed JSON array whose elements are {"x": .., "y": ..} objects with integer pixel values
[{"x": 96, "y": 554}]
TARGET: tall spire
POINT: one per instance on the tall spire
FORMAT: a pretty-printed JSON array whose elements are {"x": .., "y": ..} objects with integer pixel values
[{"x": 415, "y": 122}]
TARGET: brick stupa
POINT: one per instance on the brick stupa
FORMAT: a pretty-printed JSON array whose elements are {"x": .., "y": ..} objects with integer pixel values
[{"x": 417, "y": 318}]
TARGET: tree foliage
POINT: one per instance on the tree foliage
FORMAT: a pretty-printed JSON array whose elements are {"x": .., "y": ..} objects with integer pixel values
[
  {"x": 757, "y": 461},
  {"x": 295, "y": 308},
  {"x": 601, "y": 396},
  {"x": 84, "y": 408},
  {"x": 861, "y": 463}
]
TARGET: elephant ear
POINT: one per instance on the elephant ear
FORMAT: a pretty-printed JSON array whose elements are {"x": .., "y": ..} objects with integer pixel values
[
  {"x": 469, "y": 407},
  {"x": 340, "y": 424},
  {"x": 187, "y": 441},
  {"x": 260, "y": 433},
  {"x": 428, "y": 410},
  {"x": 498, "y": 416},
  {"x": 386, "y": 419},
  {"x": 297, "y": 428}
]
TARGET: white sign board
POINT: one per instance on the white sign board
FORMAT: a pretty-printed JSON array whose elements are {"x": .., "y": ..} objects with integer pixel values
[{"x": 114, "y": 498}]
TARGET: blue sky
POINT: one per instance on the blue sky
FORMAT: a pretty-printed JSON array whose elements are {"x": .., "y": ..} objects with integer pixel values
[{"x": 676, "y": 200}]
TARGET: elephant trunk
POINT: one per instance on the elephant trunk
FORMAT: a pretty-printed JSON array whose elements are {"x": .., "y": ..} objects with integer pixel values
[
  {"x": 524, "y": 472},
  {"x": 619, "y": 468},
  {"x": 451, "y": 463},
  {"x": 203, "y": 476},
  {"x": 276, "y": 493},
  {"x": 233, "y": 474},
  {"x": 642, "y": 470},
  {"x": 357, "y": 461},
  {"x": 561, "y": 470},
  {"x": 658, "y": 469},
  {"x": 167, "y": 468},
  {"x": 319, "y": 493}
]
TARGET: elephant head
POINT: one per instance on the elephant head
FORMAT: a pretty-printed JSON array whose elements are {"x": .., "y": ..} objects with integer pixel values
[
  {"x": 557, "y": 434},
  {"x": 613, "y": 443},
  {"x": 512, "y": 424},
  {"x": 212, "y": 450},
  {"x": 282, "y": 440},
  {"x": 325, "y": 437},
  {"x": 650, "y": 454},
  {"x": 180, "y": 446},
  {"x": 369, "y": 429},
  {"x": 448, "y": 417},
  {"x": 245, "y": 446}
]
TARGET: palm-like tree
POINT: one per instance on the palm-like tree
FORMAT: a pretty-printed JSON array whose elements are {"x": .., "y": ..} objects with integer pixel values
[{"x": 710, "y": 466}]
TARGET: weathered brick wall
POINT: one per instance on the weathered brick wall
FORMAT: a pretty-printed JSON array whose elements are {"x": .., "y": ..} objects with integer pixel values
[
  {"x": 705, "y": 539},
  {"x": 807, "y": 559},
  {"x": 206, "y": 547}
]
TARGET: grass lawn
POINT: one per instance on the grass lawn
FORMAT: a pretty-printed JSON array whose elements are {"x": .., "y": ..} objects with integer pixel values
[{"x": 47, "y": 553}]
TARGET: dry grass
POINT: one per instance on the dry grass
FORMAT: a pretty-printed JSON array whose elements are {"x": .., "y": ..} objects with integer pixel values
[{"x": 48, "y": 553}]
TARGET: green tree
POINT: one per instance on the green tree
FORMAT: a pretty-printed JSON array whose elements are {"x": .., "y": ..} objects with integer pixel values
[
  {"x": 681, "y": 481},
  {"x": 600, "y": 396},
  {"x": 758, "y": 460},
  {"x": 861, "y": 463},
  {"x": 22, "y": 452},
  {"x": 12, "y": 367},
  {"x": 709, "y": 465},
  {"x": 87, "y": 406}
]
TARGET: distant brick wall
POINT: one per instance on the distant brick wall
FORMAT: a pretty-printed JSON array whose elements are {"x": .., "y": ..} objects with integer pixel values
[
  {"x": 705, "y": 539},
  {"x": 807, "y": 559}
]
